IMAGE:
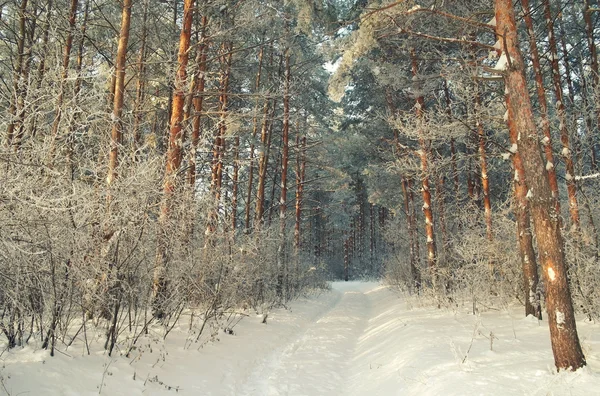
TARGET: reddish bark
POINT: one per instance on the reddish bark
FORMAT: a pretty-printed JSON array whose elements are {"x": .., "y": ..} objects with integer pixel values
[
  {"x": 118, "y": 94},
  {"x": 524, "y": 235},
  {"x": 562, "y": 117},
  {"x": 423, "y": 154},
  {"x": 174, "y": 154},
  {"x": 543, "y": 103},
  {"x": 561, "y": 318},
  {"x": 414, "y": 270},
  {"x": 485, "y": 184}
]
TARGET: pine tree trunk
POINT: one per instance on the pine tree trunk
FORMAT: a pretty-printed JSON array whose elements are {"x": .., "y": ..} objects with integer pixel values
[
  {"x": 424, "y": 150},
  {"x": 281, "y": 252},
  {"x": 263, "y": 162},
  {"x": 198, "y": 101},
  {"x": 118, "y": 94},
  {"x": 218, "y": 151},
  {"x": 561, "y": 318},
  {"x": 524, "y": 236},
  {"x": 414, "y": 270},
  {"x": 452, "y": 144},
  {"x": 41, "y": 70},
  {"x": 485, "y": 184},
  {"x": 18, "y": 81},
  {"x": 300, "y": 174},
  {"x": 252, "y": 146},
  {"x": 174, "y": 157},
  {"x": 141, "y": 84},
  {"x": 543, "y": 103},
  {"x": 589, "y": 30},
  {"x": 562, "y": 117},
  {"x": 64, "y": 75}
]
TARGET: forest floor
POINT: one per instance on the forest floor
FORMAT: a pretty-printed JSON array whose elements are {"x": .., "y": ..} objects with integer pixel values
[{"x": 358, "y": 339}]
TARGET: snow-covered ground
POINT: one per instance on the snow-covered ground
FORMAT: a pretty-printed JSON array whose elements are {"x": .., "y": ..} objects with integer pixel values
[{"x": 358, "y": 339}]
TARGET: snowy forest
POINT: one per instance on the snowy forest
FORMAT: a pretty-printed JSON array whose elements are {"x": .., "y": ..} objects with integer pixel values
[{"x": 174, "y": 170}]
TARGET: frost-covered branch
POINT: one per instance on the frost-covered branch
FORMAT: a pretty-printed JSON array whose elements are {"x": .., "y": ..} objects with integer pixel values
[{"x": 585, "y": 177}]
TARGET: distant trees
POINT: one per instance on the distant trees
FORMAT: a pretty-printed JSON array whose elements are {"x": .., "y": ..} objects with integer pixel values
[{"x": 455, "y": 132}]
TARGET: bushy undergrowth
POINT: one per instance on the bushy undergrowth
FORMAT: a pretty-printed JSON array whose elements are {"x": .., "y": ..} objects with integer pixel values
[
  {"x": 74, "y": 255},
  {"x": 477, "y": 274}
]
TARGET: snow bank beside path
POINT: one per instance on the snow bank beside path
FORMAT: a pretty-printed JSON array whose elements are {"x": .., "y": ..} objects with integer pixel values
[
  {"x": 433, "y": 352},
  {"x": 358, "y": 339}
]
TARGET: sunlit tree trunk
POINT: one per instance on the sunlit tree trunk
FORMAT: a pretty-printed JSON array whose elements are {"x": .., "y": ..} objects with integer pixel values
[
  {"x": 424, "y": 150},
  {"x": 485, "y": 183},
  {"x": 524, "y": 235},
  {"x": 542, "y": 102},
  {"x": 118, "y": 94},
  {"x": 561, "y": 317},
  {"x": 174, "y": 156},
  {"x": 414, "y": 270}
]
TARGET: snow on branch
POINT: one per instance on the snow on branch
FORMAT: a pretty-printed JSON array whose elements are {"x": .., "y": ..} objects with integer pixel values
[{"x": 592, "y": 176}]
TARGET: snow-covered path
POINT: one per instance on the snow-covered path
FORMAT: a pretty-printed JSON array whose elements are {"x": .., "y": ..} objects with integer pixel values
[
  {"x": 318, "y": 360},
  {"x": 359, "y": 339}
]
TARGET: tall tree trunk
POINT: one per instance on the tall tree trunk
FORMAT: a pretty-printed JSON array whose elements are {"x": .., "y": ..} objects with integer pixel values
[
  {"x": 561, "y": 318},
  {"x": 18, "y": 81},
  {"x": 218, "y": 151},
  {"x": 485, "y": 183},
  {"x": 452, "y": 143},
  {"x": 589, "y": 125},
  {"x": 285, "y": 148},
  {"x": 234, "y": 182},
  {"x": 414, "y": 265},
  {"x": 542, "y": 102},
  {"x": 25, "y": 90},
  {"x": 261, "y": 52},
  {"x": 424, "y": 150},
  {"x": 198, "y": 100},
  {"x": 300, "y": 175},
  {"x": 589, "y": 30},
  {"x": 140, "y": 92},
  {"x": 174, "y": 157},
  {"x": 562, "y": 117},
  {"x": 263, "y": 161},
  {"x": 64, "y": 74},
  {"x": 41, "y": 70},
  {"x": 118, "y": 95},
  {"x": 524, "y": 237}
]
